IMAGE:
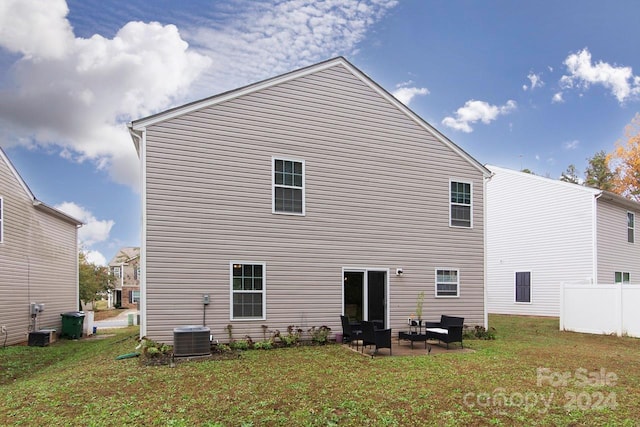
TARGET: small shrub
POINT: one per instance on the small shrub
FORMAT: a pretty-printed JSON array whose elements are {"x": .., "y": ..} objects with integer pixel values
[
  {"x": 229, "y": 329},
  {"x": 479, "y": 332},
  {"x": 263, "y": 345},
  {"x": 239, "y": 345},
  {"x": 320, "y": 335},
  {"x": 220, "y": 348},
  {"x": 291, "y": 338}
]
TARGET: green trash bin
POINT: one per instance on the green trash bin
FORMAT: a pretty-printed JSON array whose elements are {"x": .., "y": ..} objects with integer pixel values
[{"x": 72, "y": 322}]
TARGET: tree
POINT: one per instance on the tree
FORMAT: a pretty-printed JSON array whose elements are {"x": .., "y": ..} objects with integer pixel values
[
  {"x": 626, "y": 158},
  {"x": 598, "y": 174},
  {"x": 570, "y": 175},
  {"x": 92, "y": 279}
]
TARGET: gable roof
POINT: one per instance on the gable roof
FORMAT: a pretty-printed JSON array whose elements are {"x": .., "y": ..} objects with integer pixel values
[
  {"x": 596, "y": 192},
  {"x": 125, "y": 255},
  {"x": 136, "y": 127},
  {"x": 38, "y": 204},
  {"x": 545, "y": 180}
]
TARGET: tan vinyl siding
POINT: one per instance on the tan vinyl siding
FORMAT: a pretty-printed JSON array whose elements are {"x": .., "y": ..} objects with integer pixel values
[
  {"x": 615, "y": 253},
  {"x": 377, "y": 190},
  {"x": 39, "y": 262}
]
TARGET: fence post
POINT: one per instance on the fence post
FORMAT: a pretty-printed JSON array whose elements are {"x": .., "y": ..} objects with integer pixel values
[
  {"x": 562, "y": 314},
  {"x": 619, "y": 309}
]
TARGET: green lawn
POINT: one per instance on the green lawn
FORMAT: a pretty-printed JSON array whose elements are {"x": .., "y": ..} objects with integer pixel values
[{"x": 532, "y": 374}]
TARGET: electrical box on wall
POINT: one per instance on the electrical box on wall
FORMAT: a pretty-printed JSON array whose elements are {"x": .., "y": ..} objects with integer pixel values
[
  {"x": 205, "y": 299},
  {"x": 36, "y": 308}
]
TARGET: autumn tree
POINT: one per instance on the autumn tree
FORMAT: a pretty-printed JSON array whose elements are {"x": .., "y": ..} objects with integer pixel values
[
  {"x": 626, "y": 158},
  {"x": 570, "y": 175},
  {"x": 598, "y": 174},
  {"x": 92, "y": 279}
]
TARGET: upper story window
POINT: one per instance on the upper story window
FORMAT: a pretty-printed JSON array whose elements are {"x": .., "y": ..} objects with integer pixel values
[
  {"x": 447, "y": 283},
  {"x": 460, "y": 201},
  {"x": 631, "y": 220},
  {"x": 115, "y": 271},
  {"x": 248, "y": 290},
  {"x": 1, "y": 221},
  {"x": 288, "y": 186},
  {"x": 136, "y": 273}
]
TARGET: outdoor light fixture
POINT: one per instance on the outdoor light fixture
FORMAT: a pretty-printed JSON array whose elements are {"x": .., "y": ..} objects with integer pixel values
[{"x": 399, "y": 272}]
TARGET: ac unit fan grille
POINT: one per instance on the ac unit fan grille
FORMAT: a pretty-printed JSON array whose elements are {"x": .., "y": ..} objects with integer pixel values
[{"x": 191, "y": 341}]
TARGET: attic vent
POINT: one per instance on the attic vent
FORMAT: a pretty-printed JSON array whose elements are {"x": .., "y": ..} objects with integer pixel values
[{"x": 191, "y": 341}]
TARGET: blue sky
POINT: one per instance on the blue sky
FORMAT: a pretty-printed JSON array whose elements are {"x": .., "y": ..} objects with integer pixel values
[{"x": 536, "y": 85}]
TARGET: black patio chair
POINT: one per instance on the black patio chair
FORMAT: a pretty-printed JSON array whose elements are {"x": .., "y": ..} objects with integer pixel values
[
  {"x": 349, "y": 332},
  {"x": 379, "y": 338}
]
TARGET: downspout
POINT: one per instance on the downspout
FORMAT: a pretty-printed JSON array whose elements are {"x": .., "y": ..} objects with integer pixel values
[
  {"x": 485, "y": 181},
  {"x": 594, "y": 279}
]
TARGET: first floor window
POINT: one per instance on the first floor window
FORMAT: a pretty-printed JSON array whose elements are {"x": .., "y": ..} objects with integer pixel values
[
  {"x": 523, "y": 286},
  {"x": 247, "y": 290},
  {"x": 622, "y": 277},
  {"x": 460, "y": 209},
  {"x": 447, "y": 283}
]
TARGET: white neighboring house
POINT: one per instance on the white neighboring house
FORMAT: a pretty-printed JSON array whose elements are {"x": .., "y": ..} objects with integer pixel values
[{"x": 543, "y": 232}]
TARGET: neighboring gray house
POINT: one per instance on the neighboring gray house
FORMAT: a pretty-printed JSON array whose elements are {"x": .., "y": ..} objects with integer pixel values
[
  {"x": 38, "y": 260},
  {"x": 296, "y": 199},
  {"x": 543, "y": 232},
  {"x": 125, "y": 268}
]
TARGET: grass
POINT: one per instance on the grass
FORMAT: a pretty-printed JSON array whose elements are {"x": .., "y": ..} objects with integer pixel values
[
  {"x": 107, "y": 313},
  {"x": 81, "y": 383}
]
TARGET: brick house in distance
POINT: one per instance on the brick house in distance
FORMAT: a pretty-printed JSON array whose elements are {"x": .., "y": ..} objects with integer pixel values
[{"x": 125, "y": 268}]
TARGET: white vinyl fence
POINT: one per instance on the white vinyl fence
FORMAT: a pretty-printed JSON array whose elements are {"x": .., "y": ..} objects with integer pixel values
[{"x": 600, "y": 309}]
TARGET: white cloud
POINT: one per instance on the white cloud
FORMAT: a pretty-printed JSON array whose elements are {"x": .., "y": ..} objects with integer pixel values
[
  {"x": 76, "y": 93},
  {"x": 95, "y": 257},
  {"x": 266, "y": 38},
  {"x": 474, "y": 111},
  {"x": 93, "y": 231},
  {"x": 571, "y": 145},
  {"x": 405, "y": 93},
  {"x": 33, "y": 28},
  {"x": 583, "y": 73},
  {"x": 535, "y": 79},
  {"x": 557, "y": 98}
]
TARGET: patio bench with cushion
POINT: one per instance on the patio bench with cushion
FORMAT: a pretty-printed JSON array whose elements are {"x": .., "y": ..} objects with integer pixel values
[{"x": 447, "y": 330}]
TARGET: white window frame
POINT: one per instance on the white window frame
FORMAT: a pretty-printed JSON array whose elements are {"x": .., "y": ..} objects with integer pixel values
[
  {"x": 631, "y": 215},
  {"x": 457, "y": 270},
  {"x": 622, "y": 274},
  {"x": 118, "y": 269},
  {"x": 264, "y": 290},
  {"x": 273, "y": 185},
  {"x": 450, "y": 203},
  {"x": 132, "y": 298},
  {"x": 1, "y": 220},
  {"x": 515, "y": 292}
]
